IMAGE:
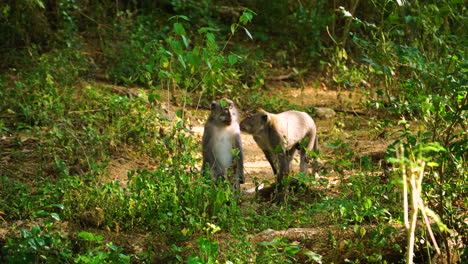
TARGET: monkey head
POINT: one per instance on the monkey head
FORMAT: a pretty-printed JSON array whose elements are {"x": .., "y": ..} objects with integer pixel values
[
  {"x": 224, "y": 111},
  {"x": 255, "y": 122}
]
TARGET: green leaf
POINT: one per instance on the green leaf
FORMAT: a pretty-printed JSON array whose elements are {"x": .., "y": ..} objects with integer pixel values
[
  {"x": 210, "y": 39},
  {"x": 40, "y": 4},
  {"x": 345, "y": 12},
  {"x": 233, "y": 28},
  {"x": 194, "y": 260},
  {"x": 179, "y": 29},
  {"x": 223, "y": 103},
  {"x": 181, "y": 60},
  {"x": 208, "y": 63},
  {"x": 400, "y": 2},
  {"x": 40, "y": 213},
  {"x": 176, "y": 46},
  {"x": 317, "y": 258},
  {"x": 232, "y": 59},
  {"x": 163, "y": 73},
  {"x": 25, "y": 233},
  {"x": 193, "y": 59},
  {"x": 153, "y": 97},
  {"x": 32, "y": 244},
  {"x": 292, "y": 249},
  {"x": 246, "y": 17},
  {"x": 248, "y": 33},
  {"x": 184, "y": 17},
  {"x": 60, "y": 206},
  {"x": 367, "y": 203},
  {"x": 40, "y": 241},
  {"x": 179, "y": 16},
  {"x": 149, "y": 68},
  {"x": 55, "y": 216},
  {"x": 112, "y": 247},
  {"x": 185, "y": 40},
  {"x": 179, "y": 113},
  {"x": 205, "y": 29},
  {"x": 86, "y": 236}
]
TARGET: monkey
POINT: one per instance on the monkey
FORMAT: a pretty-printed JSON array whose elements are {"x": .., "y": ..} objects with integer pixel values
[
  {"x": 221, "y": 142},
  {"x": 279, "y": 136}
]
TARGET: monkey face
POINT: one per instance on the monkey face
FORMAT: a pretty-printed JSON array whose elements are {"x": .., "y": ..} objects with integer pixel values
[
  {"x": 254, "y": 123},
  {"x": 224, "y": 111}
]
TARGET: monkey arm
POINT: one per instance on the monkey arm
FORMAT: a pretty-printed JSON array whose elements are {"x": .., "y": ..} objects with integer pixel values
[
  {"x": 271, "y": 147},
  {"x": 283, "y": 159},
  {"x": 271, "y": 159},
  {"x": 210, "y": 163},
  {"x": 284, "y": 162}
]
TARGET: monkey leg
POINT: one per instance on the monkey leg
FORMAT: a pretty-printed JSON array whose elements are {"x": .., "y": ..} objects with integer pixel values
[
  {"x": 240, "y": 178},
  {"x": 239, "y": 169},
  {"x": 290, "y": 155},
  {"x": 271, "y": 159},
  {"x": 305, "y": 157},
  {"x": 218, "y": 172},
  {"x": 303, "y": 162},
  {"x": 236, "y": 185},
  {"x": 284, "y": 163}
]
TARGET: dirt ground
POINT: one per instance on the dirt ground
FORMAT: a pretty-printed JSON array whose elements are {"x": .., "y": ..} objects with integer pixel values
[
  {"x": 350, "y": 117},
  {"x": 350, "y": 123}
]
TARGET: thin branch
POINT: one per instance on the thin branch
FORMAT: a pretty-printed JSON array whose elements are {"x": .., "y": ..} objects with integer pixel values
[
  {"x": 281, "y": 77},
  {"x": 429, "y": 229},
  {"x": 332, "y": 38},
  {"x": 88, "y": 111}
]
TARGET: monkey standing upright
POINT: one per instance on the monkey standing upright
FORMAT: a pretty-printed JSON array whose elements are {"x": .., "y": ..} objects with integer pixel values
[
  {"x": 279, "y": 136},
  {"x": 221, "y": 139}
]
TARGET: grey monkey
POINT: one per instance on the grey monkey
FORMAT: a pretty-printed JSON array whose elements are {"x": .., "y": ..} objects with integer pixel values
[
  {"x": 279, "y": 136},
  {"x": 221, "y": 142}
]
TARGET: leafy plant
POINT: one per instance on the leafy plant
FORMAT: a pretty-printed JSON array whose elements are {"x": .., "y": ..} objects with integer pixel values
[
  {"x": 209, "y": 251},
  {"x": 278, "y": 250},
  {"x": 97, "y": 252},
  {"x": 411, "y": 154},
  {"x": 41, "y": 244},
  {"x": 363, "y": 200},
  {"x": 176, "y": 63}
]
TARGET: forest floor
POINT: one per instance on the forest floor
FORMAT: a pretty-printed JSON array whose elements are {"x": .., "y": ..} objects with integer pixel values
[{"x": 351, "y": 124}]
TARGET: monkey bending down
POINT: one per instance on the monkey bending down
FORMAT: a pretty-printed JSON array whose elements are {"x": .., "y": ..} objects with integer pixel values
[
  {"x": 279, "y": 136},
  {"x": 221, "y": 138}
]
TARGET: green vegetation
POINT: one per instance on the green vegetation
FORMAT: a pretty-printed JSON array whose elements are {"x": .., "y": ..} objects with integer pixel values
[{"x": 84, "y": 83}]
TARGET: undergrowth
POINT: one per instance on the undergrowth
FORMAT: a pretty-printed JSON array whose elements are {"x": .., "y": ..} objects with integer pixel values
[{"x": 60, "y": 127}]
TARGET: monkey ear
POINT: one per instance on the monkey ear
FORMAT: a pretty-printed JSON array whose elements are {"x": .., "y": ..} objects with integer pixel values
[{"x": 264, "y": 118}]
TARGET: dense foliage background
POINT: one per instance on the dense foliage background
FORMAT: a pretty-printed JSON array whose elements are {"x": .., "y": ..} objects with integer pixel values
[{"x": 67, "y": 109}]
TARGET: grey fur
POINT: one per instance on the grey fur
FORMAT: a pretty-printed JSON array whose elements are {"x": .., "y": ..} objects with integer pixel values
[
  {"x": 220, "y": 137},
  {"x": 279, "y": 136}
]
